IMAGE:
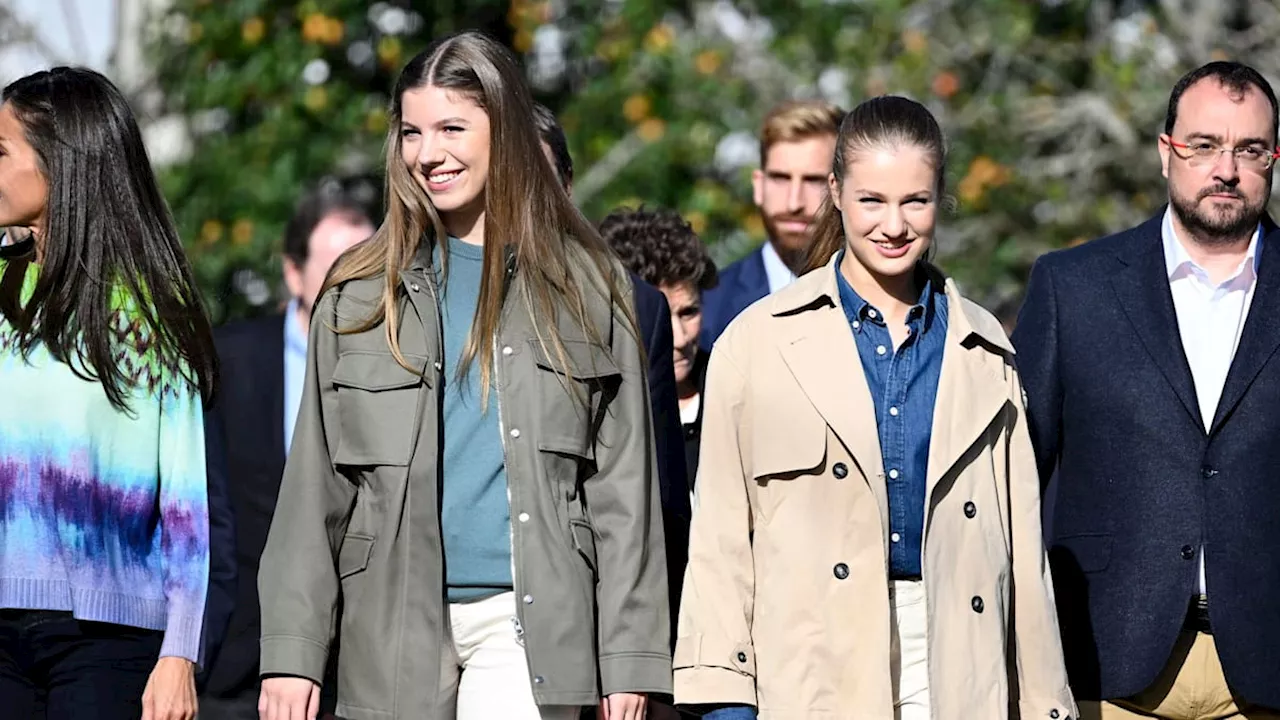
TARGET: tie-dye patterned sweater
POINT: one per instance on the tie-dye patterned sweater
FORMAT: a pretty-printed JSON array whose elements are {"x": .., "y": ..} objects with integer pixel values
[{"x": 103, "y": 513}]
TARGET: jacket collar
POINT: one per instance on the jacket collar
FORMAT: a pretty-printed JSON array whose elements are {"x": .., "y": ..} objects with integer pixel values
[{"x": 819, "y": 288}]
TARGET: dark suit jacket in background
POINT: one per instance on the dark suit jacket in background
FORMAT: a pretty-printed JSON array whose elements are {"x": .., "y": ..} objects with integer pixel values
[
  {"x": 654, "y": 316},
  {"x": 223, "y": 574},
  {"x": 741, "y": 283},
  {"x": 1112, "y": 406},
  {"x": 250, "y": 411}
]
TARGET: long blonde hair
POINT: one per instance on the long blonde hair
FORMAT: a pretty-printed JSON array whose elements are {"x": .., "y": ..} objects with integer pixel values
[{"x": 527, "y": 212}]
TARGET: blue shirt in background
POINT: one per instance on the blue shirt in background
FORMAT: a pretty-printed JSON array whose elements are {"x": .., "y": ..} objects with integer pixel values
[
  {"x": 295, "y": 370},
  {"x": 904, "y": 385}
]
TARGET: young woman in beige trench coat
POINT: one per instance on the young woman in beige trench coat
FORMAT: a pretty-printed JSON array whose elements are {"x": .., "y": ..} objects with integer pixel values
[{"x": 866, "y": 540}]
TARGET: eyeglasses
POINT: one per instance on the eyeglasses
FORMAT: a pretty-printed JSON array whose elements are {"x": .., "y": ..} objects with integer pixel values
[{"x": 1200, "y": 153}]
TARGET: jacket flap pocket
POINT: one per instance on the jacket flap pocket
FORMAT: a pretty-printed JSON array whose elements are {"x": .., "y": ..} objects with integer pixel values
[
  {"x": 586, "y": 359},
  {"x": 694, "y": 651},
  {"x": 376, "y": 371},
  {"x": 1084, "y": 553},
  {"x": 787, "y": 441},
  {"x": 354, "y": 555}
]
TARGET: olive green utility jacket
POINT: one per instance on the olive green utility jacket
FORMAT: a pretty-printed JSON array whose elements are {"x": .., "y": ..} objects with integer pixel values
[{"x": 358, "y": 519}]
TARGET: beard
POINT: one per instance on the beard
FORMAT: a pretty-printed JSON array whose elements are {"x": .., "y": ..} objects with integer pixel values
[
  {"x": 1219, "y": 225},
  {"x": 792, "y": 247}
]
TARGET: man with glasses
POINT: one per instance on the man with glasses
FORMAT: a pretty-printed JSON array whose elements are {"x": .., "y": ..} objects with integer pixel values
[{"x": 1153, "y": 381}]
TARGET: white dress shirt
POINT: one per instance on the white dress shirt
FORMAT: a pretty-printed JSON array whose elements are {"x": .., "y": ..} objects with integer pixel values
[
  {"x": 775, "y": 269},
  {"x": 1210, "y": 320}
]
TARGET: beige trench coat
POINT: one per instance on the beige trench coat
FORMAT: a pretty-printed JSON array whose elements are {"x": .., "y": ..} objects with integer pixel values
[{"x": 791, "y": 486}]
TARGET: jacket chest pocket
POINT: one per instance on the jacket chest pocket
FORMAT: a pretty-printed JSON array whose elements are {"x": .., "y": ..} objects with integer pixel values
[
  {"x": 571, "y": 404},
  {"x": 377, "y": 408}
]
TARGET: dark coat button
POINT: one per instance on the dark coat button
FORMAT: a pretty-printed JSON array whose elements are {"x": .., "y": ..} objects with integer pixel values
[
  {"x": 841, "y": 571},
  {"x": 976, "y": 604},
  {"x": 1054, "y": 713},
  {"x": 1188, "y": 552},
  {"x": 1207, "y": 472},
  {"x": 970, "y": 509},
  {"x": 840, "y": 470},
  {"x": 742, "y": 657}
]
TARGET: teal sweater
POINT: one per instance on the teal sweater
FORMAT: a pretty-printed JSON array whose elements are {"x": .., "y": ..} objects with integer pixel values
[
  {"x": 475, "y": 512},
  {"x": 103, "y": 514}
]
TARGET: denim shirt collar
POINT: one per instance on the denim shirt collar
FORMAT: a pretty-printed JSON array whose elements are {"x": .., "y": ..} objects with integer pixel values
[{"x": 860, "y": 311}]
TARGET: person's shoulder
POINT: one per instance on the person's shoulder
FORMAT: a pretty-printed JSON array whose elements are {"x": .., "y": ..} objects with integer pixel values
[
  {"x": 248, "y": 332},
  {"x": 1087, "y": 256}
]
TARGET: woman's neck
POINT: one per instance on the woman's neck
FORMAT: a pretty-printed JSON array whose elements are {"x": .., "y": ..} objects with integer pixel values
[
  {"x": 892, "y": 295},
  {"x": 465, "y": 224}
]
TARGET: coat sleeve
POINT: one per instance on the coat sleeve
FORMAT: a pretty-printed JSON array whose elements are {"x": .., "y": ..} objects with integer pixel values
[
  {"x": 715, "y": 658},
  {"x": 298, "y": 579},
  {"x": 1036, "y": 340},
  {"x": 669, "y": 437},
  {"x": 626, "y": 510},
  {"x": 1036, "y": 663}
]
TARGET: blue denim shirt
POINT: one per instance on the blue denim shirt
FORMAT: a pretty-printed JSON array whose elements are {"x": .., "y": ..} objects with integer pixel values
[{"x": 904, "y": 385}]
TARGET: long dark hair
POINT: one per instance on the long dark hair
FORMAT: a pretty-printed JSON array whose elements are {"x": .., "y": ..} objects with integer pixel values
[
  {"x": 109, "y": 243},
  {"x": 527, "y": 213},
  {"x": 882, "y": 121}
]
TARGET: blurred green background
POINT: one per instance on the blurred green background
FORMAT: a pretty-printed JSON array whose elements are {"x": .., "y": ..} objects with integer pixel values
[{"x": 1052, "y": 108}]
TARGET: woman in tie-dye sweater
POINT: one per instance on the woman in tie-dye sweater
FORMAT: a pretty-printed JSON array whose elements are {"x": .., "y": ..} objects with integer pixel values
[{"x": 105, "y": 360}]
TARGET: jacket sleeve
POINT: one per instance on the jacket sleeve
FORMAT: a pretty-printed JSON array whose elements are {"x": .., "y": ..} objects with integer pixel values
[
  {"x": 1036, "y": 340},
  {"x": 626, "y": 510},
  {"x": 1037, "y": 662},
  {"x": 298, "y": 579},
  {"x": 669, "y": 437},
  {"x": 715, "y": 659}
]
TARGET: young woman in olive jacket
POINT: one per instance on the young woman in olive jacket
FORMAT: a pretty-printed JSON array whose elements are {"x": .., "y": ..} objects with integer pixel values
[{"x": 472, "y": 473}]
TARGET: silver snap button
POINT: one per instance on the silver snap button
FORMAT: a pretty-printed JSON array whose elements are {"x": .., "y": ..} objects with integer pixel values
[
  {"x": 893, "y": 411},
  {"x": 528, "y": 599},
  {"x": 895, "y": 537},
  {"x": 515, "y": 432},
  {"x": 880, "y": 350},
  {"x": 893, "y": 474},
  {"x": 413, "y": 287},
  {"x": 524, "y": 517},
  {"x": 507, "y": 350},
  {"x": 538, "y": 680}
]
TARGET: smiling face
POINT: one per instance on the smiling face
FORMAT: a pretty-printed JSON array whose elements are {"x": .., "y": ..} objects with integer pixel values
[
  {"x": 444, "y": 140},
  {"x": 888, "y": 204},
  {"x": 24, "y": 191},
  {"x": 1218, "y": 201}
]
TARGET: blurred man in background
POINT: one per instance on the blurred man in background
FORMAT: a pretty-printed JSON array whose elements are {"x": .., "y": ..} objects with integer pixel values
[
  {"x": 797, "y": 144},
  {"x": 263, "y": 364}
]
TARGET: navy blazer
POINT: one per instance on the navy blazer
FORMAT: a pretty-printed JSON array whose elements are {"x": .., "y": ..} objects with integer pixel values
[
  {"x": 654, "y": 316},
  {"x": 740, "y": 284},
  {"x": 220, "y": 599},
  {"x": 250, "y": 412},
  {"x": 1112, "y": 407}
]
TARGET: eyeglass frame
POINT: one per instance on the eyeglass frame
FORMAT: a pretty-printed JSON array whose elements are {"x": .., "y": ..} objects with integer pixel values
[{"x": 1271, "y": 158}]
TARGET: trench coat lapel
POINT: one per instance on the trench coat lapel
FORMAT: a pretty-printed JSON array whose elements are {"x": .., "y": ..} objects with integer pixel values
[{"x": 972, "y": 388}]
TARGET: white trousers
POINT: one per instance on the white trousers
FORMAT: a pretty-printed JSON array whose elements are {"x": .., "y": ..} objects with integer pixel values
[
  {"x": 488, "y": 666},
  {"x": 909, "y": 661}
]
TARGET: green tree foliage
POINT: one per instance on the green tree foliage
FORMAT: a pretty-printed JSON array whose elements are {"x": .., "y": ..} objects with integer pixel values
[{"x": 1052, "y": 107}]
